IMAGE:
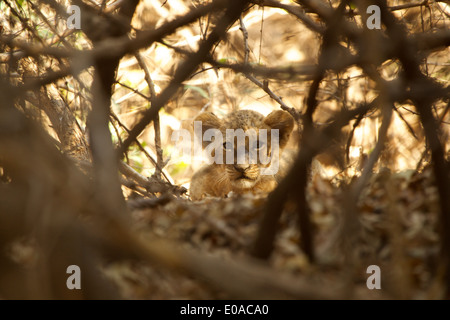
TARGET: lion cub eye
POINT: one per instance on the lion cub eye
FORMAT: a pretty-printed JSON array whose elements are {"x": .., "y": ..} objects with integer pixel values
[
  {"x": 257, "y": 145},
  {"x": 228, "y": 146}
]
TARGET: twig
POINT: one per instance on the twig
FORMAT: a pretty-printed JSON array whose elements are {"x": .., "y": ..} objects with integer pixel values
[
  {"x": 63, "y": 121},
  {"x": 245, "y": 36},
  {"x": 330, "y": 39},
  {"x": 129, "y": 171},
  {"x": 24, "y": 23},
  {"x": 265, "y": 86},
  {"x": 141, "y": 147},
  {"x": 410, "y": 129},
  {"x": 32, "y": 30},
  {"x": 150, "y": 203},
  {"x": 283, "y": 73},
  {"x": 312, "y": 142},
  {"x": 82, "y": 59},
  {"x": 374, "y": 155},
  {"x": 52, "y": 28},
  {"x": 159, "y": 153},
  {"x": 106, "y": 164},
  {"x": 308, "y": 137},
  {"x": 395, "y": 8},
  {"x": 261, "y": 35},
  {"x": 263, "y": 244},
  {"x": 116, "y": 130},
  {"x": 235, "y": 7},
  {"x": 350, "y": 228},
  {"x": 240, "y": 278},
  {"x": 409, "y": 5},
  {"x": 295, "y": 11},
  {"x": 423, "y": 93},
  {"x": 134, "y": 90},
  {"x": 350, "y": 137},
  {"x": 447, "y": 108},
  {"x": 151, "y": 184}
]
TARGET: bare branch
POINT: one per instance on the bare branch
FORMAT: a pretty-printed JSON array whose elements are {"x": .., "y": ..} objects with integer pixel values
[
  {"x": 185, "y": 70},
  {"x": 156, "y": 125},
  {"x": 294, "y": 10},
  {"x": 265, "y": 86}
]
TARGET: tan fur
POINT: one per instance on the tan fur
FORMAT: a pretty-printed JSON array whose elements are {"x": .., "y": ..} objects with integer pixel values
[{"x": 219, "y": 179}]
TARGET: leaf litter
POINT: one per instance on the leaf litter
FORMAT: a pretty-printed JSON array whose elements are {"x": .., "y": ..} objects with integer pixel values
[{"x": 398, "y": 214}]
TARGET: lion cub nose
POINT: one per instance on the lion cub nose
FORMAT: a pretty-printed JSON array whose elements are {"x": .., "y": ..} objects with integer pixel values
[{"x": 241, "y": 167}]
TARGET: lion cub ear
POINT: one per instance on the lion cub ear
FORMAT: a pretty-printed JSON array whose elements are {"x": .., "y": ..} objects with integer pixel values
[
  {"x": 283, "y": 121},
  {"x": 209, "y": 121}
]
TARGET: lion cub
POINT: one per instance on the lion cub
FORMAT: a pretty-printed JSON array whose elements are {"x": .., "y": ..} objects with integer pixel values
[{"x": 218, "y": 179}]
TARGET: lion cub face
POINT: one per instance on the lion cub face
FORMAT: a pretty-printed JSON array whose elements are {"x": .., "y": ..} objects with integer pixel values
[{"x": 250, "y": 151}]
